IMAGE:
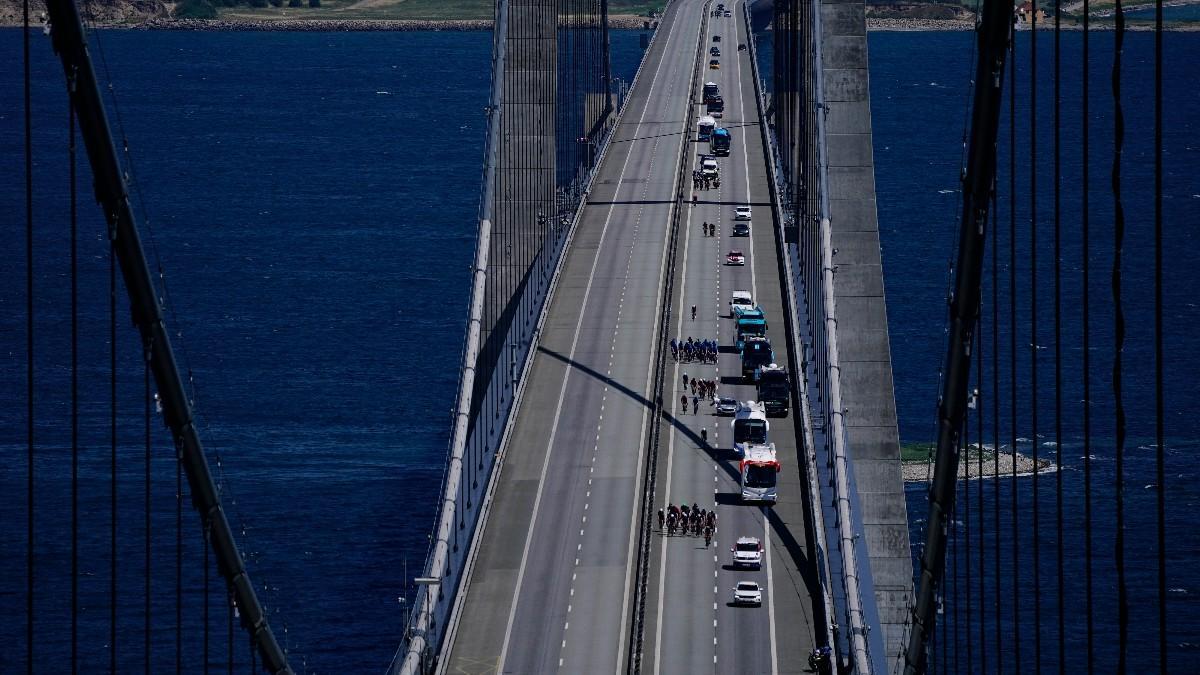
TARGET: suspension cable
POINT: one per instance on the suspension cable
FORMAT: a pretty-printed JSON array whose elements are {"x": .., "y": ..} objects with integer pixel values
[
  {"x": 112, "y": 383},
  {"x": 146, "y": 395},
  {"x": 1119, "y": 342},
  {"x": 29, "y": 487},
  {"x": 1159, "y": 445},
  {"x": 179, "y": 565},
  {"x": 1085, "y": 227},
  {"x": 1033, "y": 338},
  {"x": 74, "y": 206},
  {"x": 1058, "y": 476},
  {"x": 979, "y": 415},
  {"x": 1012, "y": 352},
  {"x": 965, "y": 462},
  {"x": 996, "y": 553}
]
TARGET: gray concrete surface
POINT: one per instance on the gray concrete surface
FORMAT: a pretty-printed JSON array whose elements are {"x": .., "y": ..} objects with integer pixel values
[
  {"x": 550, "y": 586},
  {"x": 550, "y": 582},
  {"x": 692, "y": 626},
  {"x": 867, "y": 390}
]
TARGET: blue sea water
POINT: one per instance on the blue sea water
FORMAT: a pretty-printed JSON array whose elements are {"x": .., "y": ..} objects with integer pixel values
[
  {"x": 310, "y": 198},
  {"x": 920, "y": 93},
  {"x": 311, "y": 201}
]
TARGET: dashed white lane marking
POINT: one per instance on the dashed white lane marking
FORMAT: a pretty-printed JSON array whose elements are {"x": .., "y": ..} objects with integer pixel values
[{"x": 562, "y": 392}]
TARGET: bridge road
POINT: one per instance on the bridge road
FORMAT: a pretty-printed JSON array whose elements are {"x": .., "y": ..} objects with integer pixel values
[
  {"x": 552, "y": 573},
  {"x": 691, "y": 628}
]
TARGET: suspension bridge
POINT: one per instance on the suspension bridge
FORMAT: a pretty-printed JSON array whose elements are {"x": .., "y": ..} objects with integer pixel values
[{"x": 606, "y": 237}]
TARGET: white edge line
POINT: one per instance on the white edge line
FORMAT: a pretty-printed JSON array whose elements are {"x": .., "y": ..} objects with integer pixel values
[
  {"x": 662, "y": 566},
  {"x": 562, "y": 392}
]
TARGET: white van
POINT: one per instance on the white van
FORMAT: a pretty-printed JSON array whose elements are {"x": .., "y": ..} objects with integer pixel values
[{"x": 706, "y": 124}]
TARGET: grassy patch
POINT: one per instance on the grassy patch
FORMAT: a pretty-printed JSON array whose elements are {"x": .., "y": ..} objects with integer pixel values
[
  {"x": 915, "y": 452},
  {"x": 195, "y": 9}
]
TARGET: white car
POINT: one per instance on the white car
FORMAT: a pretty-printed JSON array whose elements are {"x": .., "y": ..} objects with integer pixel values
[
  {"x": 724, "y": 406},
  {"x": 747, "y": 593},
  {"x": 735, "y": 258},
  {"x": 741, "y": 213},
  {"x": 741, "y": 299},
  {"x": 708, "y": 167},
  {"x": 747, "y": 552}
]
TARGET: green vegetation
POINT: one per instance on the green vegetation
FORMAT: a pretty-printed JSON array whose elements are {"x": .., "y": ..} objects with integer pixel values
[
  {"x": 915, "y": 452},
  {"x": 429, "y": 10},
  {"x": 195, "y": 9}
]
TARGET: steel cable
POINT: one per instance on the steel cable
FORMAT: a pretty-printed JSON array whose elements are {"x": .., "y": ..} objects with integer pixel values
[
  {"x": 112, "y": 352},
  {"x": 179, "y": 565},
  {"x": 1058, "y": 476},
  {"x": 965, "y": 462},
  {"x": 1085, "y": 232},
  {"x": 1119, "y": 342},
  {"x": 146, "y": 609},
  {"x": 1033, "y": 340},
  {"x": 1012, "y": 351},
  {"x": 1159, "y": 431},
  {"x": 996, "y": 427},
  {"x": 74, "y": 206},
  {"x": 979, "y": 415},
  {"x": 29, "y": 487}
]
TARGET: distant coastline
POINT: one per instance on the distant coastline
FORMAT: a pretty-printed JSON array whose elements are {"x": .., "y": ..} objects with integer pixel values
[
  {"x": 917, "y": 467},
  {"x": 618, "y": 22}
]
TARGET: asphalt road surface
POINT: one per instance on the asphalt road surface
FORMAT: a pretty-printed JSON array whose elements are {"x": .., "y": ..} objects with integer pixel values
[
  {"x": 696, "y": 627},
  {"x": 550, "y": 587}
]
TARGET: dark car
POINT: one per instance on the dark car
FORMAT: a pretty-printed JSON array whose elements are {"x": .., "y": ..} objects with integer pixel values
[
  {"x": 714, "y": 52},
  {"x": 741, "y": 229},
  {"x": 716, "y": 38}
]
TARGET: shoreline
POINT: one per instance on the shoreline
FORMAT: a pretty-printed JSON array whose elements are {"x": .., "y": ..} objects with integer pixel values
[
  {"x": 616, "y": 22},
  {"x": 321, "y": 24},
  {"x": 921, "y": 471},
  {"x": 945, "y": 25}
]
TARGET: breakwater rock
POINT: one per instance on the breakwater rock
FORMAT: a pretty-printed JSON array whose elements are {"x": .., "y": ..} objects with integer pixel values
[{"x": 919, "y": 24}]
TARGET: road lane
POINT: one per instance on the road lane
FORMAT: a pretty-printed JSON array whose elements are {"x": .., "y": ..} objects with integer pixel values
[
  {"x": 551, "y": 575},
  {"x": 697, "y": 629}
]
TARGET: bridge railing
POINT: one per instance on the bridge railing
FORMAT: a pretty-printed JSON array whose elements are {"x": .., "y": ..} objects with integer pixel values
[
  {"x": 476, "y": 442},
  {"x": 816, "y": 536},
  {"x": 800, "y": 156}
]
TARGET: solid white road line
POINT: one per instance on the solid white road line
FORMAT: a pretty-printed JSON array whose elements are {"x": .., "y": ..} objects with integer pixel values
[
  {"x": 649, "y": 373},
  {"x": 512, "y": 611}
]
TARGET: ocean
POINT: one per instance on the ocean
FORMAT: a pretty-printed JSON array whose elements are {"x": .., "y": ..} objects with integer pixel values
[{"x": 309, "y": 199}]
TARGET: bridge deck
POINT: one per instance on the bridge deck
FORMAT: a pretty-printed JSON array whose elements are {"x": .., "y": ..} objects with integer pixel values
[
  {"x": 695, "y": 628},
  {"x": 551, "y": 582}
]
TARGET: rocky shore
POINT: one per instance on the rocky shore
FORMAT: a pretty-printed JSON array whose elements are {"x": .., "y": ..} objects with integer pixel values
[
  {"x": 147, "y": 20},
  {"x": 918, "y": 24},
  {"x": 920, "y": 471}
]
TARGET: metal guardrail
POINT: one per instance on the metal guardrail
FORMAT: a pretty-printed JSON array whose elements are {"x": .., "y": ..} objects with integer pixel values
[
  {"x": 816, "y": 525},
  {"x": 829, "y": 414},
  {"x": 667, "y": 286},
  {"x": 837, "y": 412},
  {"x": 450, "y": 561}
]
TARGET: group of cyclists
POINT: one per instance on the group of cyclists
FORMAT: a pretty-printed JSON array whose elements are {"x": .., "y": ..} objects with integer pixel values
[
  {"x": 688, "y": 520},
  {"x": 702, "y": 351},
  {"x": 702, "y": 182}
]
